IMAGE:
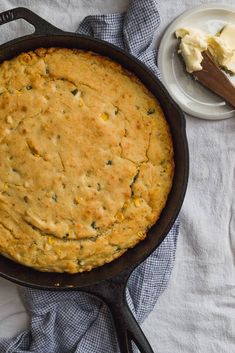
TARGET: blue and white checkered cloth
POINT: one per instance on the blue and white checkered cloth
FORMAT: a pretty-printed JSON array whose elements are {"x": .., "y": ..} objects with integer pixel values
[{"x": 73, "y": 322}]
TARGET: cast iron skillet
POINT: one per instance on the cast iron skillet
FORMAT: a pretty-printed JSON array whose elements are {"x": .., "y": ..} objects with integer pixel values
[{"x": 107, "y": 282}]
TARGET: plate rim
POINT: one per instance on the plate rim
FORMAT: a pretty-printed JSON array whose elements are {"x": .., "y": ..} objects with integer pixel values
[{"x": 160, "y": 59}]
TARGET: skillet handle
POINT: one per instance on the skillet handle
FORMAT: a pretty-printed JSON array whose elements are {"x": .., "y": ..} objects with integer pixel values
[
  {"x": 127, "y": 329},
  {"x": 113, "y": 293},
  {"x": 41, "y": 26}
]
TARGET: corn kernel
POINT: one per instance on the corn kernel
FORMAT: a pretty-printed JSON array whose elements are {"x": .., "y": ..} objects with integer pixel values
[
  {"x": 81, "y": 102},
  {"x": 136, "y": 201},
  {"x": 120, "y": 216},
  {"x": 126, "y": 204},
  {"x": 59, "y": 253},
  {"x": 105, "y": 116},
  {"x": 51, "y": 240}
]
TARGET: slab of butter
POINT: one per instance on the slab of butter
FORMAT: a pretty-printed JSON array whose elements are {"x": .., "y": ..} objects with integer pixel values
[
  {"x": 193, "y": 43},
  {"x": 221, "y": 46}
]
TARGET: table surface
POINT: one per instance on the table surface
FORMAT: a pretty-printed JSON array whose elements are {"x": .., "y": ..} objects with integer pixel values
[{"x": 196, "y": 313}]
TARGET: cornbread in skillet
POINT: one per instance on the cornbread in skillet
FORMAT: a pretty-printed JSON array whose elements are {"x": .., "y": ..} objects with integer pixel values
[{"x": 86, "y": 160}]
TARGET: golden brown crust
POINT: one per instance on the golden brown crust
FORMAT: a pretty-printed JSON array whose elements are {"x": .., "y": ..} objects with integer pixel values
[{"x": 86, "y": 160}]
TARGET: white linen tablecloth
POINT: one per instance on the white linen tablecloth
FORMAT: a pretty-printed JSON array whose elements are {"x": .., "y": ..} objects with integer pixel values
[{"x": 196, "y": 314}]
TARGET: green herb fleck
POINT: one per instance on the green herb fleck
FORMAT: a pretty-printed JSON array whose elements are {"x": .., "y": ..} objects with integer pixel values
[
  {"x": 93, "y": 225},
  {"x": 109, "y": 162},
  {"x": 66, "y": 236},
  {"x": 54, "y": 197},
  {"x": 29, "y": 87},
  {"x": 98, "y": 187},
  {"x": 116, "y": 111},
  {"x": 117, "y": 248},
  {"x": 80, "y": 262},
  {"x": 151, "y": 111},
  {"x": 163, "y": 162},
  {"x": 75, "y": 91}
]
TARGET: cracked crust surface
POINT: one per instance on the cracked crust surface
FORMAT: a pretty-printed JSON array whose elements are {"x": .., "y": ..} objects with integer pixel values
[{"x": 86, "y": 160}]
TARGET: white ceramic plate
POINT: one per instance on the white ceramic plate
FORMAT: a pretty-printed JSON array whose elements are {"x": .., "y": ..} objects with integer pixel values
[{"x": 192, "y": 97}]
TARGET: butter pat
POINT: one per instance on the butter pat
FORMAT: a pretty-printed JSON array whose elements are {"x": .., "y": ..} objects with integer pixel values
[
  {"x": 228, "y": 36},
  {"x": 221, "y": 47},
  {"x": 193, "y": 43}
]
